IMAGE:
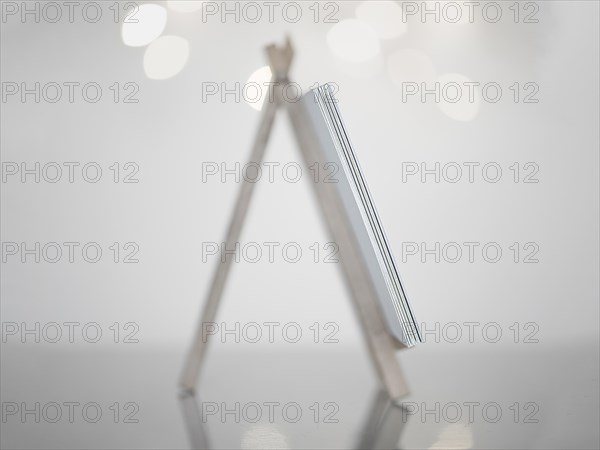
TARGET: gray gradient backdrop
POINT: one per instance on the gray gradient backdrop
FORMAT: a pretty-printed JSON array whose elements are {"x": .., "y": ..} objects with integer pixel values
[{"x": 170, "y": 212}]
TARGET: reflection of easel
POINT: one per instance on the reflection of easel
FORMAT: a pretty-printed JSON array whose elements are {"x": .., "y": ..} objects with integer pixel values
[
  {"x": 382, "y": 430},
  {"x": 384, "y": 425},
  {"x": 382, "y": 344}
]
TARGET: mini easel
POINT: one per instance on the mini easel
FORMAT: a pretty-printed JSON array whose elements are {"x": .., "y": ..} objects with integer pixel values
[{"x": 382, "y": 344}]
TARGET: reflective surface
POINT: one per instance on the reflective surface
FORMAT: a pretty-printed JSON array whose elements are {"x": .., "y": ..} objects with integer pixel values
[{"x": 476, "y": 396}]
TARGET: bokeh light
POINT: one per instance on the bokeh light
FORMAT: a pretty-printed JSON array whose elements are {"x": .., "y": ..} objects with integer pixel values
[
  {"x": 384, "y": 17},
  {"x": 165, "y": 57},
  {"x": 150, "y": 21},
  {"x": 456, "y": 100},
  {"x": 352, "y": 40},
  {"x": 255, "y": 91}
]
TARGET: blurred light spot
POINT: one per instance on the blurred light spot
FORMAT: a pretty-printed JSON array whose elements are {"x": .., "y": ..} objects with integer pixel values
[
  {"x": 264, "y": 436},
  {"x": 365, "y": 69},
  {"x": 255, "y": 90},
  {"x": 165, "y": 57},
  {"x": 353, "y": 40},
  {"x": 410, "y": 66},
  {"x": 457, "y": 100},
  {"x": 184, "y": 5},
  {"x": 384, "y": 17},
  {"x": 456, "y": 436},
  {"x": 151, "y": 20}
]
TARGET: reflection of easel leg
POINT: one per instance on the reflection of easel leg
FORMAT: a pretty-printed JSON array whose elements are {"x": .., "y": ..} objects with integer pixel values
[
  {"x": 193, "y": 422},
  {"x": 382, "y": 429},
  {"x": 197, "y": 353},
  {"x": 385, "y": 424}
]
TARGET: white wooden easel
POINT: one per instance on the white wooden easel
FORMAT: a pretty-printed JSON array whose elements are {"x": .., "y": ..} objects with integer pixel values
[{"x": 382, "y": 344}]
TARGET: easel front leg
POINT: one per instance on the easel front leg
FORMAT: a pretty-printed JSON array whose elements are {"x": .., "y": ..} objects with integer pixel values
[{"x": 209, "y": 312}]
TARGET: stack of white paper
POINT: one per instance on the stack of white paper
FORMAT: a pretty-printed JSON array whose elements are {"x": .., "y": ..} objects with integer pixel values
[{"x": 331, "y": 144}]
